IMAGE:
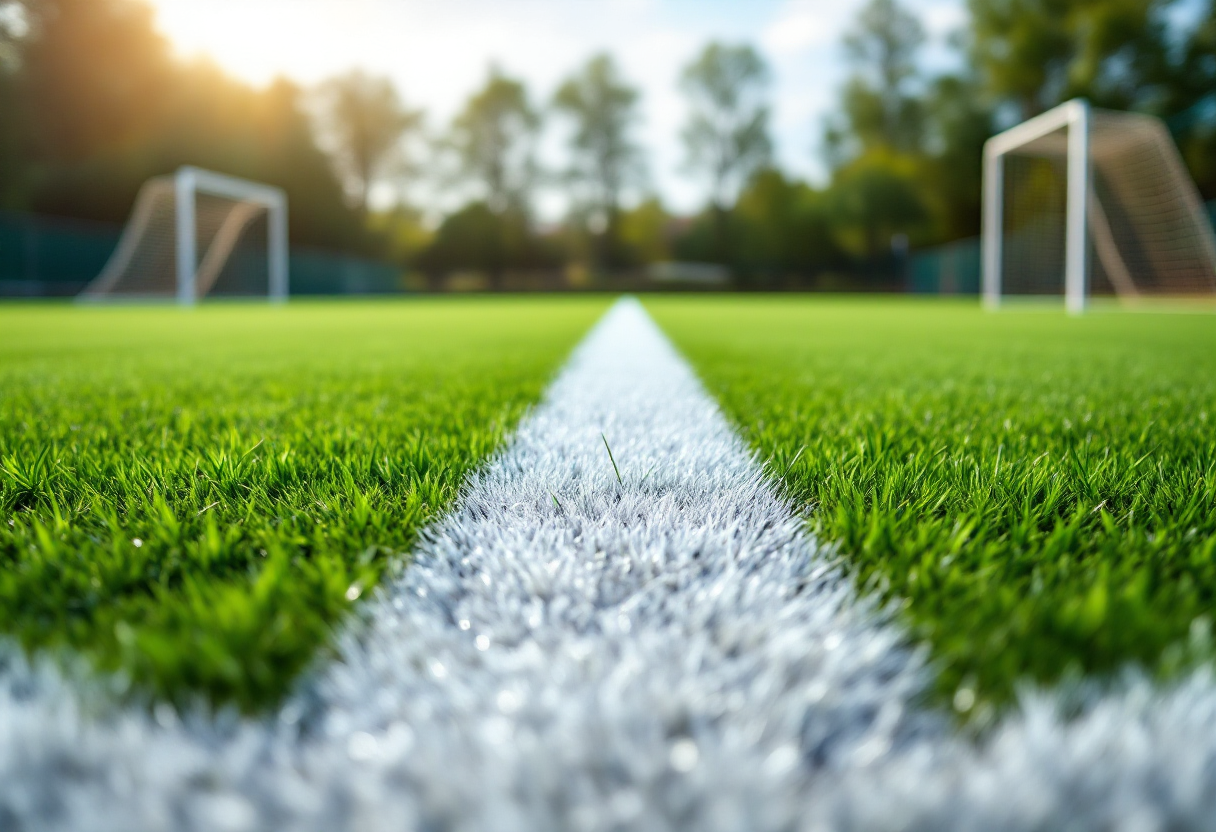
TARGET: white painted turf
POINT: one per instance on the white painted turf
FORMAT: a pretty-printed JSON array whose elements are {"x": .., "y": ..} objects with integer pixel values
[{"x": 670, "y": 651}]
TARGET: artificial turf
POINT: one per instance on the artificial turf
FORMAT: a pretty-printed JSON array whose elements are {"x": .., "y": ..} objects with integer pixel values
[
  {"x": 196, "y": 498},
  {"x": 1037, "y": 492}
]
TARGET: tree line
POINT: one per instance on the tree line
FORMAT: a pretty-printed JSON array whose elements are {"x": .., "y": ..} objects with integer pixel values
[{"x": 94, "y": 104}]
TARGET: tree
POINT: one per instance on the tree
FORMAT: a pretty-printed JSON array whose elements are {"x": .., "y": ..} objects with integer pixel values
[
  {"x": 604, "y": 110},
  {"x": 645, "y": 231},
  {"x": 727, "y": 131},
  {"x": 1195, "y": 79},
  {"x": 786, "y": 235},
  {"x": 403, "y": 232},
  {"x": 880, "y": 101},
  {"x": 366, "y": 124},
  {"x": 1191, "y": 101},
  {"x": 1038, "y": 53},
  {"x": 12, "y": 26},
  {"x": 876, "y": 196},
  {"x": 958, "y": 120},
  {"x": 479, "y": 239},
  {"x": 92, "y": 104},
  {"x": 470, "y": 238},
  {"x": 495, "y": 137},
  {"x": 96, "y": 78}
]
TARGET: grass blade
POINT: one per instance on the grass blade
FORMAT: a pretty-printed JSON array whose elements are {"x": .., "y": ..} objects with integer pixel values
[{"x": 612, "y": 460}]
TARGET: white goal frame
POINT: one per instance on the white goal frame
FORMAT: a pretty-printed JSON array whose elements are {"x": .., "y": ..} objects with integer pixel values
[
  {"x": 187, "y": 183},
  {"x": 1073, "y": 116},
  {"x": 1087, "y": 225}
]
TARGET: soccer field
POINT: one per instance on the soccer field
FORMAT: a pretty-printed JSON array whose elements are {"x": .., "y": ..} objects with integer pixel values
[
  {"x": 646, "y": 611},
  {"x": 1037, "y": 491},
  {"x": 197, "y": 498}
]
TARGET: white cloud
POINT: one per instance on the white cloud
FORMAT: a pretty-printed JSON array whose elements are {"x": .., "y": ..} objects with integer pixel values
[
  {"x": 943, "y": 18},
  {"x": 805, "y": 24}
]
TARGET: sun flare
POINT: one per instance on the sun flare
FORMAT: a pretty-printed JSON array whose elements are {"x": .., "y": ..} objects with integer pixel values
[{"x": 262, "y": 40}]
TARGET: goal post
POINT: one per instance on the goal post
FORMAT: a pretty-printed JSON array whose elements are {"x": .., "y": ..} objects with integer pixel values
[
  {"x": 1080, "y": 201},
  {"x": 187, "y": 230}
]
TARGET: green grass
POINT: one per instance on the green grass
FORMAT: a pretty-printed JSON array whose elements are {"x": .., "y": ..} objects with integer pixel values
[
  {"x": 1039, "y": 491},
  {"x": 196, "y": 498}
]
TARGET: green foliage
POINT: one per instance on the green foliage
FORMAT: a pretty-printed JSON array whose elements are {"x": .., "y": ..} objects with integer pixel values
[
  {"x": 880, "y": 106},
  {"x": 876, "y": 196},
  {"x": 495, "y": 138},
  {"x": 645, "y": 231},
  {"x": 94, "y": 104},
  {"x": 196, "y": 498},
  {"x": 1038, "y": 53},
  {"x": 784, "y": 229},
  {"x": 367, "y": 124},
  {"x": 1021, "y": 57},
  {"x": 1192, "y": 101},
  {"x": 905, "y": 152},
  {"x": 785, "y": 233},
  {"x": 726, "y": 135},
  {"x": 958, "y": 123},
  {"x": 98, "y": 72},
  {"x": 1037, "y": 492},
  {"x": 603, "y": 108},
  {"x": 11, "y": 127},
  {"x": 403, "y": 232},
  {"x": 478, "y": 239}
]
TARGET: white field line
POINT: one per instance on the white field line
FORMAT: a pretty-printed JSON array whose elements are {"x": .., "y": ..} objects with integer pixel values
[{"x": 669, "y": 651}]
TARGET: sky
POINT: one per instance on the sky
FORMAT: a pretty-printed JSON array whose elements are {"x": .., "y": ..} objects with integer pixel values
[{"x": 439, "y": 51}]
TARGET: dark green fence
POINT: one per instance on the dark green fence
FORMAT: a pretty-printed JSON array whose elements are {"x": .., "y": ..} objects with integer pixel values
[
  {"x": 51, "y": 256},
  {"x": 316, "y": 272},
  {"x": 55, "y": 257},
  {"x": 954, "y": 268}
]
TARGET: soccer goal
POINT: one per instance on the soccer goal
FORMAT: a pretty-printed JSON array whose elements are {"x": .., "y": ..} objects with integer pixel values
[
  {"x": 197, "y": 233},
  {"x": 1085, "y": 202}
]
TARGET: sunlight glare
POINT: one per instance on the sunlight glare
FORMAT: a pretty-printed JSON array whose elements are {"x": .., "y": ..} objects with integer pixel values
[{"x": 257, "y": 41}]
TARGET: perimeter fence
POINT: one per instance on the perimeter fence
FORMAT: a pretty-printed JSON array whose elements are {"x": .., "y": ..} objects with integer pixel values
[
  {"x": 954, "y": 268},
  {"x": 45, "y": 257}
]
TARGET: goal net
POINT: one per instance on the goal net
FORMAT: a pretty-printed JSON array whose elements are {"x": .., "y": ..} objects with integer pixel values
[
  {"x": 198, "y": 233},
  {"x": 1083, "y": 202}
]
